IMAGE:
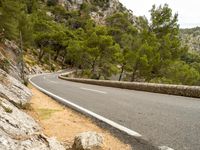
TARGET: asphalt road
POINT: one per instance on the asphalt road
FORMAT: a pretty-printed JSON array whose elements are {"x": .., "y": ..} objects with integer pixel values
[{"x": 173, "y": 121}]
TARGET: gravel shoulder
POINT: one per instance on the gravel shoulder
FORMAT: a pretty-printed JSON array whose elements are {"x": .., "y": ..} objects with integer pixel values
[{"x": 64, "y": 123}]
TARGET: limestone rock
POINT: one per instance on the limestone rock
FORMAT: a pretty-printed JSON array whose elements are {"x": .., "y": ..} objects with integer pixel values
[
  {"x": 16, "y": 122},
  {"x": 13, "y": 90},
  {"x": 35, "y": 142},
  {"x": 72, "y": 4},
  {"x": 100, "y": 14},
  {"x": 18, "y": 131},
  {"x": 88, "y": 141}
]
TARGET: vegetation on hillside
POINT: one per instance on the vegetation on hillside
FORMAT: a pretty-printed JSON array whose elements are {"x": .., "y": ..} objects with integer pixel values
[
  {"x": 151, "y": 53},
  {"x": 191, "y": 38}
]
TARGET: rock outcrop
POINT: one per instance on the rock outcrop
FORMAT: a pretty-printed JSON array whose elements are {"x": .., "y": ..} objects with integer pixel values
[
  {"x": 9, "y": 54},
  {"x": 101, "y": 9},
  {"x": 12, "y": 89},
  {"x": 17, "y": 129},
  {"x": 191, "y": 38},
  {"x": 71, "y": 4}
]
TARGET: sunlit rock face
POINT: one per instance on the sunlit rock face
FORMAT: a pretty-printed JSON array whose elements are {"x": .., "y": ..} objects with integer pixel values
[
  {"x": 17, "y": 129},
  {"x": 102, "y": 10}
]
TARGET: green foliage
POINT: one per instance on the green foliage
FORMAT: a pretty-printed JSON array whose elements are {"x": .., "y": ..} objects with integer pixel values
[
  {"x": 59, "y": 12},
  {"x": 26, "y": 29},
  {"x": 181, "y": 73},
  {"x": 52, "y": 2},
  {"x": 25, "y": 82},
  {"x": 101, "y": 3},
  {"x": 10, "y": 13},
  {"x": 191, "y": 38},
  {"x": 150, "y": 51},
  {"x": 14, "y": 20},
  {"x": 166, "y": 28},
  {"x": 31, "y": 6},
  {"x": 6, "y": 109}
]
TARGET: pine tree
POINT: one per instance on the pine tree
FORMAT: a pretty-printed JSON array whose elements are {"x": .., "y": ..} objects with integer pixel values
[{"x": 9, "y": 15}]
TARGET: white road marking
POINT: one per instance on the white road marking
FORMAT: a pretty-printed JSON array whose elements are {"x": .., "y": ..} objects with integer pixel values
[
  {"x": 88, "y": 112},
  {"x": 92, "y": 114},
  {"x": 102, "y": 92},
  {"x": 49, "y": 80},
  {"x": 53, "y": 81},
  {"x": 165, "y": 148}
]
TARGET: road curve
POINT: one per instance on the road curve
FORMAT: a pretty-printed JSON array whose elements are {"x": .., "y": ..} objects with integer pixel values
[{"x": 168, "y": 120}]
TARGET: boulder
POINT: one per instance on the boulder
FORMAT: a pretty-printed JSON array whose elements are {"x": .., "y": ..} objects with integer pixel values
[{"x": 88, "y": 141}]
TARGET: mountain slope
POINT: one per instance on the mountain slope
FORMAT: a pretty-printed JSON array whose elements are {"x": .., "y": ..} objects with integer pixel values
[
  {"x": 99, "y": 37},
  {"x": 191, "y": 38},
  {"x": 99, "y": 10}
]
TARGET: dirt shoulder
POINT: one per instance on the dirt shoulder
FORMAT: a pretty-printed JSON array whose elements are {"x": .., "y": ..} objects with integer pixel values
[{"x": 64, "y": 123}]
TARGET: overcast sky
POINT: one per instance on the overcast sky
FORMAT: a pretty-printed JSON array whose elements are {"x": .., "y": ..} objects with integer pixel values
[{"x": 188, "y": 10}]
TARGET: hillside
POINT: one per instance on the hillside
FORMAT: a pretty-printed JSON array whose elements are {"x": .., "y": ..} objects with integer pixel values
[
  {"x": 191, "y": 38},
  {"x": 98, "y": 10},
  {"x": 101, "y": 38}
]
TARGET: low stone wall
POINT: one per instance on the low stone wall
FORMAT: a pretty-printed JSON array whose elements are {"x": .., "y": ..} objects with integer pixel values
[{"x": 181, "y": 90}]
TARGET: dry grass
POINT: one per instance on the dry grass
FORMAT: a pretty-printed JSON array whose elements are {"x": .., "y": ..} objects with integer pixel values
[{"x": 64, "y": 123}]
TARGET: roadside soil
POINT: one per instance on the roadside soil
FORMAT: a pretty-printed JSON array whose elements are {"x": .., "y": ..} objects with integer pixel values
[{"x": 64, "y": 123}]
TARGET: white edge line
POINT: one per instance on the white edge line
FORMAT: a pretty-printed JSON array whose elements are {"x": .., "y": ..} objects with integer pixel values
[
  {"x": 165, "y": 148},
  {"x": 88, "y": 112},
  {"x": 102, "y": 92}
]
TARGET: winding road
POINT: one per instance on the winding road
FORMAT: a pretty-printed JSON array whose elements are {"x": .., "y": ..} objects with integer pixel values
[{"x": 168, "y": 120}]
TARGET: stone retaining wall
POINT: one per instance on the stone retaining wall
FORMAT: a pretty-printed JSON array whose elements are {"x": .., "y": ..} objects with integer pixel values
[{"x": 181, "y": 90}]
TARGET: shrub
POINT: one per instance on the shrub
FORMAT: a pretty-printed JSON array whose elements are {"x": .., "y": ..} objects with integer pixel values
[
  {"x": 6, "y": 109},
  {"x": 26, "y": 106},
  {"x": 181, "y": 73},
  {"x": 101, "y": 3},
  {"x": 25, "y": 82},
  {"x": 52, "y": 2},
  {"x": 4, "y": 64}
]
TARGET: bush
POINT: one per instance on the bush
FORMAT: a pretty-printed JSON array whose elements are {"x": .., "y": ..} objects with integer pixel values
[
  {"x": 26, "y": 81},
  {"x": 101, "y": 3},
  {"x": 162, "y": 80},
  {"x": 4, "y": 65},
  {"x": 6, "y": 109},
  {"x": 52, "y": 2},
  {"x": 26, "y": 106},
  {"x": 181, "y": 73}
]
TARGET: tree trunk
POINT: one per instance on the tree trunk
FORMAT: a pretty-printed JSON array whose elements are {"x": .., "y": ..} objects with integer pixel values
[
  {"x": 134, "y": 72},
  {"x": 57, "y": 53},
  {"x": 99, "y": 76},
  {"x": 93, "y": 66},
  {"x": 41, "y": 54},
  {"x": 122, "y": 71},
  {"x": 64, "y": 58}
]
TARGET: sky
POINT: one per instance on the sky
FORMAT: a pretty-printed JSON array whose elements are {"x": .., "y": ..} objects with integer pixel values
[{"x": 188, "y": 10}]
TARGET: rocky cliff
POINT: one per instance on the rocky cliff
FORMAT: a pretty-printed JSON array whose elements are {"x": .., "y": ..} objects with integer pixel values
[
  {"x": 99, "y": 9},
  {"x": 191, "y": 38},
  {"x": 17, "y": 129},
  {"x": 10, "y": 60}
]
